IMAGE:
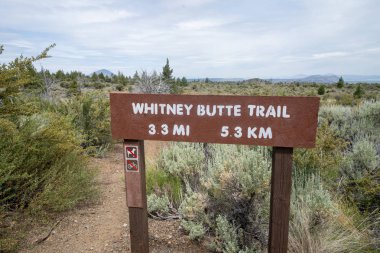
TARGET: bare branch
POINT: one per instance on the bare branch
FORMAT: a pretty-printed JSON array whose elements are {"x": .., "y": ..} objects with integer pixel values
[{"x": 151, "y": 83}]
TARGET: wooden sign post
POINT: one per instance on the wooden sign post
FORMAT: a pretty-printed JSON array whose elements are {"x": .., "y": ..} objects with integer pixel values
[
  {"x": 134, "y": 171},
  {"x": 281, "y": 185},
  {"x": 280, "y": 122}
]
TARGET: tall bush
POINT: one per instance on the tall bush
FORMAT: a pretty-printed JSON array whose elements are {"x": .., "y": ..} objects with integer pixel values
[
  {"x": 42, "y": 165},
  {"x": 35, "y": 153},
  {"x": 235, "y": 189},
  {"x": 90, "y": 115}
]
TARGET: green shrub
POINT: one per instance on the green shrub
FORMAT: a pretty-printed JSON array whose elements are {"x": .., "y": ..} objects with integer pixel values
[
  {"x": 364, "y": 192},
  {"x": 345, "y": 99},
  {"x": 196, "y": 230},
  {"x": 362, "y": 160},
  {"x": 42, "y": 169},
  {"x": 73, "y": 89},
  {"x": 70, "y": 183},
  {"x": 321, "y": 90},
  {"x": 157, "y": 204},
  {"x": 317, "y": 224},
  {"x": 34, "y": 154},
  {"x": 237, "y": 189},
  {"x": 184, "y": 161},
  {"x": 120, "y": 87},
  {"x": 340, "y": 83},
  {"x": 308, "y": 190},
  {"x": 42, "y": 165},
  {"x": 359, "y": 92},
  {"x": 353, "y": 123},
  {"x": 325, "y": 158},
  {"x": 90, "y": 115},
  {"x": 226, "y": 234},
  {"x": 361, "y": 172},
  {"x": 27, "y": 151},
  {"x": 329, "y": 236},
  {"x": 193, "y": 206},
  {"x": 161, "y": 183},
  {"x": 8, "y": 243}
]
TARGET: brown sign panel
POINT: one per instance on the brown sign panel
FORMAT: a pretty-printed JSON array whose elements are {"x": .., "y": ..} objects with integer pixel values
[{"x": 251, "y": 120}]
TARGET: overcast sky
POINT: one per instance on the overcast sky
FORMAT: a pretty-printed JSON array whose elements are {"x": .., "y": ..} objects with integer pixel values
[{"x": 201, "y": 38}]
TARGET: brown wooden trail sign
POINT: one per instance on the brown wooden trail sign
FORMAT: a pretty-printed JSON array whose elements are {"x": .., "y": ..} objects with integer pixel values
[
  {"x": 281, "y": 122},
  {"x": 266, "y": 121}
]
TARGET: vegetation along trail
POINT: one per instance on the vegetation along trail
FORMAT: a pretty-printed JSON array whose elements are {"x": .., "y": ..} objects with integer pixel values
[
  {"x": 103, "y": 227},
  {"x": 53, "y": 124}
]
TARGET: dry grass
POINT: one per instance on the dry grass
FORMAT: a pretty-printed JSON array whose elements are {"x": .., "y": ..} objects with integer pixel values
[{"x": 334, "y": 235}]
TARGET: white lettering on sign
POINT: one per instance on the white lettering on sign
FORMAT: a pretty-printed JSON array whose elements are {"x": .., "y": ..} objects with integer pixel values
[
  {"x": 176, "y": 129},
  {"x": 251, "y": 133},
  {"x": 262, "y": 111},
  {"x": 181, "y": 130},
  {"x": 206, "y": 110},
  {"x": 248, "y": 120},
  {"x": 163, "y": 109},
  {"x": 219, "y": 110}
]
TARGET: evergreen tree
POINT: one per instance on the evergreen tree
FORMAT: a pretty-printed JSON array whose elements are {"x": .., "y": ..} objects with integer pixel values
[
  {"x": 359, "y": 92},
  {"x": 94, "y": 77},
  {"x": 340, "y": 83},
  {"x": 74, "y": 89},
  {"x": 119, "y": 78},
  {"x": 135, "y": 77},
  {"x": 321, "y": 90},
  {"x": 167, "y": 71},
  {"x": 184, "y": 81},
  {"x": 102, "y": 77},
  {"x": 60, "y": 75}
]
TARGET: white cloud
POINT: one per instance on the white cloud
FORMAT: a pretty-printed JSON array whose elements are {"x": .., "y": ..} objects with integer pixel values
[
  {"x": 96, "y": 16},
  {"x": 330, "y": 55},
  {"x": 200, "y": 24},
  {"x": 187, "y": 3},
  {"x": 20, "y": 44},
  {"x": 200, "y": 37}
]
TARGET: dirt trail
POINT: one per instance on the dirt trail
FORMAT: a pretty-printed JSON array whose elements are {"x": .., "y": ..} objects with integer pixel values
[{"x": 104, "y": 227}]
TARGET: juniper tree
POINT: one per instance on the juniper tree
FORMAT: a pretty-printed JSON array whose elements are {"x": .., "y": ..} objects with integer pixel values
[
  {"x": 321, "y": 90},
  {"x": 184, "y": 81},
  {"x": 340, "y": 83},
  {"x": 359, "y": 92},
  {"x": 14, "y": 76},
  {"x": 167, "y": 72}
]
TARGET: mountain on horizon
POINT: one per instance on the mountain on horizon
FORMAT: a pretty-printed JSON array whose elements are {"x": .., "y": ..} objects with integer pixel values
[
  {"x": 302, "y": 78},
  {"x": 216, "y": 79},
  {"x": 105, "y": 72},
  {"x": 329, "y": 79},
  {"x": 362, "y": 78}
]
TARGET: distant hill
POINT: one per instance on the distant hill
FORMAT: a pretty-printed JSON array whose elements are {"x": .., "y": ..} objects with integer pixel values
[
  {"x": 309, "y": 79},
  {"x": 362, "y": 78},
  {"x": 329, "y": 79},
  {"x": 105, "y": 72},
  {"x": 216, "y": 79}
]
